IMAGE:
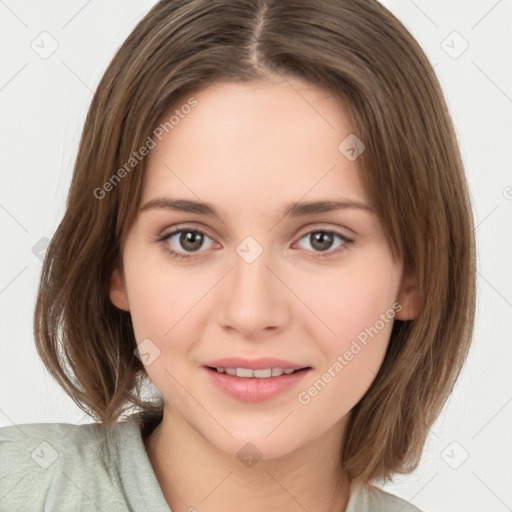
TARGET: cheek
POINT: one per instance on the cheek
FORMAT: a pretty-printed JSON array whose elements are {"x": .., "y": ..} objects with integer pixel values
[
  {"x": 164, "y": 306},
  {"x": 162, "y": 296},
  {"x": 354, "y": 318},
  {"x": 347, "y": 301}
]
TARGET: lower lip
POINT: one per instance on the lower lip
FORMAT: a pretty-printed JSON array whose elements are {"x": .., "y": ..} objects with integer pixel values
[{"x": 254, "y": 389}]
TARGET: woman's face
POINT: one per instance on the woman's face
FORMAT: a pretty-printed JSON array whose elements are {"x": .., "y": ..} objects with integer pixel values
[{"x": 257, "y": 280}]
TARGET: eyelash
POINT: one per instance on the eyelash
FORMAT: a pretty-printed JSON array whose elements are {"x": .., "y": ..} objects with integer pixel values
[{"x": 181, "y": 256}]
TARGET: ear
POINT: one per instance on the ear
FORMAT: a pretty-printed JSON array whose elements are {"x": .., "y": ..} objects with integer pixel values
[
  {"x": 117, "y": 288},
  {"x": 408, "y": 297}
]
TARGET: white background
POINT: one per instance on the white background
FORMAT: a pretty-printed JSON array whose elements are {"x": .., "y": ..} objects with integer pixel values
[{"x": 43, "y": 105}]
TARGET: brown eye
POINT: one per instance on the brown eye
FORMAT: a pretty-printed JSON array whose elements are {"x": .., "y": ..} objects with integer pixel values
[
  {"x": 321, "y": 241},
  {"x": 183, "y": 241},
  {"x": 324, "y": 241},
  {"x": 191, "y": 240}
]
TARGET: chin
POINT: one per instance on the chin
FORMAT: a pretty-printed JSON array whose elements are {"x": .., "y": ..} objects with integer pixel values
[{"x": 249, "y": 448}]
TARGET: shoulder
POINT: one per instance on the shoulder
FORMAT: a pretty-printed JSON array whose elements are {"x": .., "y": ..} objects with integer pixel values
[
  {"x": 42, "y": 445},
  {"x": 57, "y": 465},
  {"x": 47, "y": 445},
  {"x": 369, "y": 498}
]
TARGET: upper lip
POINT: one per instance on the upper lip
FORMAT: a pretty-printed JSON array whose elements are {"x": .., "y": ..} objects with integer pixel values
[{"x": 254, "y": 364}]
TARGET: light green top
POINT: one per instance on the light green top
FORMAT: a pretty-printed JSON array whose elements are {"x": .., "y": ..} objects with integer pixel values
[{"x": 63, "y": 467}]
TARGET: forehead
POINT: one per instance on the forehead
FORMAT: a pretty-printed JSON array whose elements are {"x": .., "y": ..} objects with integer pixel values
[{"x": 258, "y": 142}]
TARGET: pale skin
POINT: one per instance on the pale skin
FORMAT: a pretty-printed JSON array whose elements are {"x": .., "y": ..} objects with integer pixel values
[{"x": 250, "y": 150}]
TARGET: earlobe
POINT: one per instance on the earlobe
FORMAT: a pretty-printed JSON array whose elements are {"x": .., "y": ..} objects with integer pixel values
[
  {"x": 117, "y": 289},
  {"x": 408, "y": 298}
]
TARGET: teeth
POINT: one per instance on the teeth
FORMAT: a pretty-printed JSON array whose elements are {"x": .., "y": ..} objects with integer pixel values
[
  {"x": 244, "y": 372},
  {"x": 259, "y": 374},
  {"x": 262, "y": 374}
]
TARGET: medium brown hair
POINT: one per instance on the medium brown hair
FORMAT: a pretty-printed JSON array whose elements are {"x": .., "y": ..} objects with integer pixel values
[{"x": 411, "y": 170}]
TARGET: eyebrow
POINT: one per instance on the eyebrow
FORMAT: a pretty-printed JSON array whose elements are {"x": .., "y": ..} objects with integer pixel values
[{"x": 295, "y": 209}]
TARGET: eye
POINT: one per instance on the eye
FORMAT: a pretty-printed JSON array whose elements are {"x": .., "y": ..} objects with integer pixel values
[
  {"x": 186, "y": 240},
  {"x": 322, "y": 241}
]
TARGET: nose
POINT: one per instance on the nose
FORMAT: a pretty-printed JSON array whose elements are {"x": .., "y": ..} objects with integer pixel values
[{"x": 255, "y": 300}]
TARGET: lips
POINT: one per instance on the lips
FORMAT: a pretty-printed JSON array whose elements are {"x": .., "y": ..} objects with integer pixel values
[{"x": 247, "y": 380}]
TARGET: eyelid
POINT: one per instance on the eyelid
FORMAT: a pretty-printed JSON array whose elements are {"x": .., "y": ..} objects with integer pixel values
[
  {"x": 340, "y": 230},
  {"x": 326, "y": 230},
  {"x": 166, "y": 232},
  {"x": 204, "y": 230}
]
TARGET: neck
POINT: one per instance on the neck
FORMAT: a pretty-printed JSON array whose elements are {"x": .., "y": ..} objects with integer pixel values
[{"x": 196, "y": 476}]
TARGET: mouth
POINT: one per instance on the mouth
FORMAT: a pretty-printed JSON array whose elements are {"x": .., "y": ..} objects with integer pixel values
[
  {"x": 261, "y": 373},
  {"x": 254, "y": 384}
]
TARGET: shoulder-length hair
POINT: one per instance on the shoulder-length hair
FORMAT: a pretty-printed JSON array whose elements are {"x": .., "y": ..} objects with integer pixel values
[{"x": 411, "y": 170}]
